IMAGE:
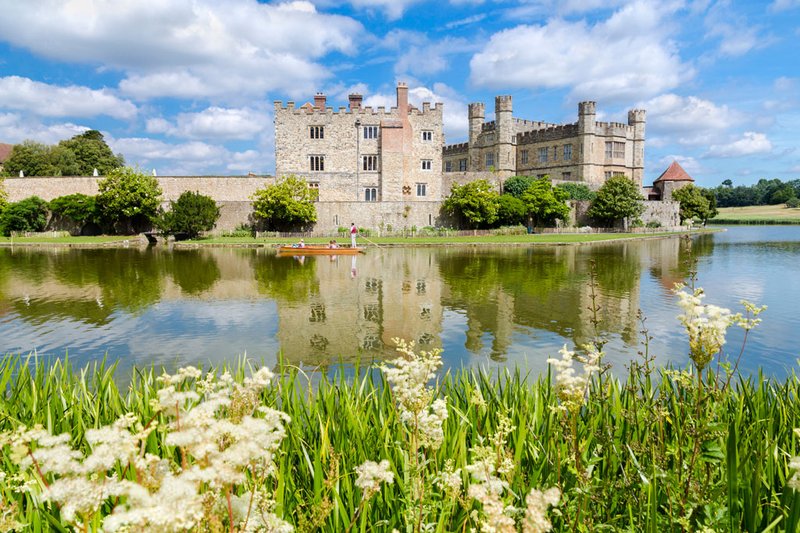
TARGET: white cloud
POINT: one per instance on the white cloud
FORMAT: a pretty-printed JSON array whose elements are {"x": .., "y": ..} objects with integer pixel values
[
  {"x": 47, "y": 100},
  {"x": 393, "y": 9},
  {"x": 187, "y": 48},
  {"x": 783, "y": 5},
  {"x": 628, "y": 56},
  {"x": 751, "y": 143},
  {"x": 689, "y": 164},
  {"x": 420, "y": 56},
  {"x": 737, "y": 35},
  {"x": 688, "y": 120},
  {"x": 14, "y": 128},
  {"x": 214, "y": 123}
]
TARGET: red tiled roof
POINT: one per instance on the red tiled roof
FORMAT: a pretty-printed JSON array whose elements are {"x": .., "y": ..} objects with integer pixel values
[
  {"x": 675, "y": 173},
  {"x": 5, "y": 151}
]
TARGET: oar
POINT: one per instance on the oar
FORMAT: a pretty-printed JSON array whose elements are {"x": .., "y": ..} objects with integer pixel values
[{"x": 369, "y": 241}]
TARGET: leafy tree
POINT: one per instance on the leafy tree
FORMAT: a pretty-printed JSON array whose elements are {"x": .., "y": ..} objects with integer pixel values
[
  {"x": 618, "y": 198},
  {"x": 29, "y": 214},
  {"x": 91, "y": 152},
  {"x": 128, "y": 199},
  {"x": 544, "y": 202},
  {"x": 77, "y": 207},
  {"x": 287, "y": 203},
  {"x": 191, "y": 214},
  {"x": 577, "y": 191},
  {"x": 477, "y": 202},
  {"x": 32, "y": 158},
  {"x": 694, "y": 203},
  {"x": 3, "y": 195},
  {"x": 782, "y": 194},
  {"x": 793, "y": 202},
  {"x": 511, "y": 210},
  {"x": 712, "y": 203},
  {"x": 727, "y": 183},
  {"x": 517, "y": 185}
]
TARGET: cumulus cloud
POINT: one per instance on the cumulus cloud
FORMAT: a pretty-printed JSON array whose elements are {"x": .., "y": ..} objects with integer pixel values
[
  {"x": 751, "y": 143},
  {"x": 421, "y": 56},
  {"x": 47, "y": 100},
  {"x": 393, "y": 9},
  {"x": 186, "y": 48},
  {"x": 737, "y": 35},
  {"x": 688, "y": 120},
  {"x": 627, "y": 56},
  {"x": 783, "y": 5},
  {"x": 214, "y": 123},
  {"x": 691, "y": 165},
  {"x": 14, "y": 128}
]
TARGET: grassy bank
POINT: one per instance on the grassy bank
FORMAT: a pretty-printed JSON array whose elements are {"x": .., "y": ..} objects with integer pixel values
[
  {"x": 653, "y": 452},
  {"x": 96, "y": 240},
  {"x": 757, "y": 214}
]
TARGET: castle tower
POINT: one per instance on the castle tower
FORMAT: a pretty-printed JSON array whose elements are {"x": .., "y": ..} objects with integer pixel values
[
  {"x": 637, "y": 119},
  {"x": 477, "y": 114},
  {"x": 587, "y": 118},
  {"x": 504, "y": 157}
]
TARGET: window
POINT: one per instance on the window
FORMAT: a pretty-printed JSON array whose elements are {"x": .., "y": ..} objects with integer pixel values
[
  {"x": 313, "y": 187},
  {"x": 489, "y": 137},
  {"x": 427, "y": 135},
  {"x": 567, "y": 152},
  {"x": 426, "y": 164},
  {"x": 369, "y": 163},
  {"x": 371, "y": 194},
  {"x": 370, "y": 132},
  {"x": 607, "y": 174},
  {"x": 462, "y": 165},
  {"x": 524, "y": 157},
  {"x": 489, "y": 159},
  {"x": 543, "y": 155},
  {"x": 422, "y": 189},
  {"x": 317, "y": 163},
  {"x": 566, "y": 175},
  {"x": 448, "y": 166},
  {"x": 555, "y": 153},
  {"x": 317, "y": 132},
  {"x": 615, "y": 149}
]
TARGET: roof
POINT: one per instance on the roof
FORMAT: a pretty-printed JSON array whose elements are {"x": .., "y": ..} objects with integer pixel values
[
  {"x": 5, "y": 151},
  {"x": 674, "y": 173}
]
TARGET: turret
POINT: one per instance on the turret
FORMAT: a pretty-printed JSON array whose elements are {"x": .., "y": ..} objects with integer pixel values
[
  {"x": 587, "y": 116},
  {"x": 637, "y": 119},
  {"x": 477, "y": 114},
  {"x": 504, "y": 156}
]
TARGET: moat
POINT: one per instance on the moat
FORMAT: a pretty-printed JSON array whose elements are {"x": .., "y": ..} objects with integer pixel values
[{"x": 488, "y": 306}]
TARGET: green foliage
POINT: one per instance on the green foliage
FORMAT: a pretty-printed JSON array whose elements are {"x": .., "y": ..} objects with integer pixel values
[
  {"x": 764, "y": 192},
  {"x": 286, "y": 204},
  {"x": 128, "y": 199},
  {"x": 476, "y": 202},
  {"x": 511, "y": 210},
  {"x": 544, "y": 202},
  {"x": 653, "y": 224},
  {"x": 191, "y": 214},
  {"x": 91, "y": 152},
  {"x": 793, "y": 202},
  {"x": 618, "y": 198},
  {"x": 78, "y": 207},
  {"x": 78, "y": 156},
  {"x": 782, "y": 195},
  {"x": 694, "y": 204},
  {"x": 577, "y": 191},
  {"x": 712, "y": 203},
  {"x": 3, "y": 194},
  {"x": 29, "y": 214},
  {"x": 517, "y": 185}
]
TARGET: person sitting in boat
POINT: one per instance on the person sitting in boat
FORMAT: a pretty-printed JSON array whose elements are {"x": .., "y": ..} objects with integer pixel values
[
  {"x": 300, "y": 244},
  {"x": 333, "y": 244}
]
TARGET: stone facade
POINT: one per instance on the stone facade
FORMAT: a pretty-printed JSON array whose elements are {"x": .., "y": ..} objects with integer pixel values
[
  {"x": 360, "y": 153},
  {"x": 587, "y": 151}
]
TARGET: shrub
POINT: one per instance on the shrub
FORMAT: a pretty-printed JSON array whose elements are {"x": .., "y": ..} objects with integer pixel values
[
  {"x": 577, "y": 191},
  {"x": 286, "y": 204},
  {"x": 653, "y": 224},
  {"x": 77, "y": 207},
  {"x": 29, "y": 214},
  {"x": 618, "y": 198},
  {"x": 510, "y": 230},
  {"x": 190, "y": 214},
  {"x": 129, "y": 199},
  {"x": 793, "y": 202}
]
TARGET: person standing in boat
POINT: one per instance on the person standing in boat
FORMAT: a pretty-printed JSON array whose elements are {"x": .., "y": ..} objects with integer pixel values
[{"x": 353, "y": 233}]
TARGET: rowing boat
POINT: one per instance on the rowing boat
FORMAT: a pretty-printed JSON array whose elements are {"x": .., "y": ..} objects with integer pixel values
[{"x": 318, "y": 250}]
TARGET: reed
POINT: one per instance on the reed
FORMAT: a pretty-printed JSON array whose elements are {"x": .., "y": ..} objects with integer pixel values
[{"x": 636, "y": 468}]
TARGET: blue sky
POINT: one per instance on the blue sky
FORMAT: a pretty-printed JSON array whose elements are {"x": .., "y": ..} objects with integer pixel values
[{"x": 186, "y": 86}]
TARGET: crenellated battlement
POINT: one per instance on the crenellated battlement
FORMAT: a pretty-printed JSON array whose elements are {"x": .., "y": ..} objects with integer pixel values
[
  {"x": 489, "y": 126},
  {"x": 308, "y": 109},
  {"x": 452, "y": 149},
  {"x": 614, "y": 129},
  {"x": 550, "y": 133}
]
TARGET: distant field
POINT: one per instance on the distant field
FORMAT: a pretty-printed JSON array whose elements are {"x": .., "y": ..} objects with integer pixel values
[{"x": 755, "y": 214}]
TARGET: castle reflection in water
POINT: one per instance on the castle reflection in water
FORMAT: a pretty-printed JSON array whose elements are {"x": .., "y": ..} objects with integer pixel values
[{"x": 326, "y": 308}]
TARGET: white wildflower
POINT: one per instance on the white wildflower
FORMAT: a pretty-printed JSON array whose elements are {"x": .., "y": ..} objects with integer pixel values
[
  {"x": 536, "y": 520},
  {"x": 370, "y": 476},
  {"x": 176, "y": 506},
  {"x": 571, "y": 387},
  {"x": 79, "y": 497},
  {"x": 794, "y": 481},
  {"x": 706, "y": 325}
]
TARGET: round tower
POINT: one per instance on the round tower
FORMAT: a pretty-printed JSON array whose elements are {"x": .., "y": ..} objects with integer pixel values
[
  {"x": 504, "y": 121},
  {"x": 590, "y": 167},
  {"x": 477, "y": 113},
  {"x": 636, "y": 120}
]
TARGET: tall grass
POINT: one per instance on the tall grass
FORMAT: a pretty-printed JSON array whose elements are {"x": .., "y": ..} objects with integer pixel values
[{"x": 636, "y": 439}]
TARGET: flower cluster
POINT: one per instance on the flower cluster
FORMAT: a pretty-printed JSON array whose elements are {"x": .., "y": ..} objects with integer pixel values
[
  {"x": 487, "y": 488},
  {"x": 706, "y": 325},
  {"x": 408, "y": 378},
  {"x": 538, "y": 502},
  {"x": 570, "y": 386},
  {"x": 370, "y": 476}
]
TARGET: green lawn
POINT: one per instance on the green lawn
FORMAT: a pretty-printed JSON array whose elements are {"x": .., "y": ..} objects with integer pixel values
[
  {"x": 764, "y": 214},
  {"x": 98, "y": 239}
]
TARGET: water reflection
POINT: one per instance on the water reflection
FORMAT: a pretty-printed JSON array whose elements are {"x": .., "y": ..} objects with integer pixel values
[{"x": 501, "y": 303}]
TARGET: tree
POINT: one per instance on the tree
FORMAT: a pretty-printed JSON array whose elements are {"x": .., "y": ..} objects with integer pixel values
[
  {"x": 577, "y": 191},
  {"x": 516, "y": 185},
  {"x": 91, "y": 152},
  {"x": 32, "y": 158},
  {"x": 727, "y": 183},
  {"x": 544, "y": 202},
  {"x": 782, "y": 194},
  {"x": 618, "y": 198},
  {"x": 128, "y": 199},
  {"x": 79, "y": 208},
  {"x": 191, "y": 214},
  {"x": 3, "y": 195},
  {"x": 477, "y": 202},
  {"x": 511, "y": 210},
  {"x": 694, "y": 204},
  {"x": 286, "y": 204},
  {"x": 29, "y": 214},
  {"x": 712, "y": 204}
]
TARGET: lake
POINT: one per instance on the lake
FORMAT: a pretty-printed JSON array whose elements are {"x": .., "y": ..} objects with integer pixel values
[{"x": 484, "y": 306}]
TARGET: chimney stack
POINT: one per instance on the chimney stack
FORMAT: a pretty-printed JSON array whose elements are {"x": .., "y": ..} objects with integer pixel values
[
  {"x": 402, "y": 98},
  {"x": 319, "y": 101},
  {"x": 355, "y": 101}
]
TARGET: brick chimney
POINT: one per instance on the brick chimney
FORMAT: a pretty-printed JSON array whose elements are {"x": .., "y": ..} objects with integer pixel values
[
  {"x": 355, "y": 101},
  {"x": 319, "y": 101},
  {"x": 402, "y": 98}
]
